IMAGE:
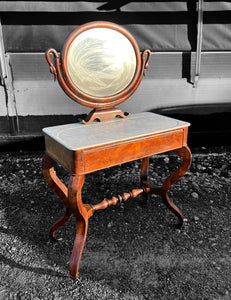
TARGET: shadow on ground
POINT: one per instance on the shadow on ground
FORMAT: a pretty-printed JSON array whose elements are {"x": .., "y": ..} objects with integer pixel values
[{"x": 133, "y": 251}]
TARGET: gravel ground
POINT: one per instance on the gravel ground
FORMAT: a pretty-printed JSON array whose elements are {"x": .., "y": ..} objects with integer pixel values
[{"x": 133, "y": 251}]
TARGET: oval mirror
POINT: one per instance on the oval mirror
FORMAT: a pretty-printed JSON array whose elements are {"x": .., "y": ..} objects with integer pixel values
[{"x": 101, "y": 62}]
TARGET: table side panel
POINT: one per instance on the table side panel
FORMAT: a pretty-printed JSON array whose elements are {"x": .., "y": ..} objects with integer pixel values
[
  {"x": 111, "y": 155},
  {"x": 185, "y": 137},
  {"x": 68, "y": 158}
]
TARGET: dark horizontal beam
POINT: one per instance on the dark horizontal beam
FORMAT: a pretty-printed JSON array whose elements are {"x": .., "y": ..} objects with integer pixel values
[{"x": 74, "y": 18}]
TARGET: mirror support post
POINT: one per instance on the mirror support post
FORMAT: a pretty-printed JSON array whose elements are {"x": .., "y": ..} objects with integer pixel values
[{"x": 104, "y": 115}]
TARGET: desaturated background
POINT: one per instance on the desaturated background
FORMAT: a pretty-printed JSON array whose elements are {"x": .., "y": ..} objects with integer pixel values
[
  {"x": 132, "y": 251},
  {"x": 172, "y": 30}
]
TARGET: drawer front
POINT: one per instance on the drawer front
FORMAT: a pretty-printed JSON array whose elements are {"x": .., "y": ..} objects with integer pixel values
[{"x": 111, "y": 155}]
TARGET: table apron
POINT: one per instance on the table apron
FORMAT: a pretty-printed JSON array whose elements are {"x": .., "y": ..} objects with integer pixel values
[{"x": 105, "y": 156}]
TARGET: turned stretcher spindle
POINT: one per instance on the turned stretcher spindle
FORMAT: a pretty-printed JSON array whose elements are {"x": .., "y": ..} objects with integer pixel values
[{"x": 114, "y": 200}]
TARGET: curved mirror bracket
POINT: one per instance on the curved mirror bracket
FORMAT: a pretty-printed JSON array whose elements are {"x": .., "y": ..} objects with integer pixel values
[
  {"x": 100, "y": 67},
  {"x": 104, "y": 115}
]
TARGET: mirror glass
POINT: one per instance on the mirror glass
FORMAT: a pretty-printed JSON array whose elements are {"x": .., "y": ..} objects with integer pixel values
[{"x": 101, "y": 62}]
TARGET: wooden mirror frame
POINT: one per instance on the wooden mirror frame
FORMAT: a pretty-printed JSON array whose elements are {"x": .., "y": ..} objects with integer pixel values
[{"x": 59, "y": 69}]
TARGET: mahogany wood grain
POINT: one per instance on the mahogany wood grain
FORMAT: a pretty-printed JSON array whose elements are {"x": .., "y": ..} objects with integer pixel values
[
  {"x": 117, "y": 153},
  {"x": 144, "y": 176},
  {"x": 84, "y": 161},
  {"x": 60, "y": 72},
  {"x": 81, "y": 215},
  {"x": 60, "y": 189},
  {"x": 114, "y": 200},
  {"x": 120, "y": 140},
  {"x": 88, "y": 147},
  {"x": 185, "y": 153},
  {"x": 104, "y": 115},
  {"x": 73, "y": 201}
]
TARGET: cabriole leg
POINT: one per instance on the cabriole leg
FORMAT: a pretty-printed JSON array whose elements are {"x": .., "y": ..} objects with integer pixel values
[
  {"x": 81, "y": 213},
  {"x": 185, "y": 153},
  {"x": 144, "y": 177},
  {"x": 60, "y": 189}
]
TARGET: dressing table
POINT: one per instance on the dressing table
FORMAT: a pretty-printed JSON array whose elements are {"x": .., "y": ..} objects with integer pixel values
[{"x": 100, "y": 66}]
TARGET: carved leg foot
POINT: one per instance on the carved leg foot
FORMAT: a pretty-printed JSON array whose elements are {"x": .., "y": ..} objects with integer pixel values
[
  {"x": 144, "y": 177},
  {"x": 81, "y": 213},
  {"x": 60, "y": 223},
  {"x": 81, "y": 234},
  {"x": 185, "y": 153},
  {"x": 60, "y": 189}
]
